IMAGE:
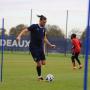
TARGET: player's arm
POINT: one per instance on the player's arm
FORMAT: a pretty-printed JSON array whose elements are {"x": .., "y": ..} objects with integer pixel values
[
  {"x": 22, "y": 32},
  {"x": 48, "y": 43}
]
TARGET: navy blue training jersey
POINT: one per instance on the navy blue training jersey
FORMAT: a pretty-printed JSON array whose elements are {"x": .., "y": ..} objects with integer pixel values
[{"x": 37, "y": 36}]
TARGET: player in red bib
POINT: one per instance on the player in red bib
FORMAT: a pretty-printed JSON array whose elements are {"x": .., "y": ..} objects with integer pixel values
[{"x": 76, "y": 48}]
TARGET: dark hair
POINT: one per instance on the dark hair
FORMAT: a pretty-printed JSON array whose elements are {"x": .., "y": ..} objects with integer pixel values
[
  {"x": 41, "y": 17},
  {"x": 73, "y": 36}
]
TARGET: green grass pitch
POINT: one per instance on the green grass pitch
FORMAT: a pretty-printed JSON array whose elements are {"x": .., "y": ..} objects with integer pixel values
[{"x": 19, "y": 73}]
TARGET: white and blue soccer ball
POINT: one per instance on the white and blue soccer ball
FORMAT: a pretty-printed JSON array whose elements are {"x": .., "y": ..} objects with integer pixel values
[{"x": 49, "y": 77}]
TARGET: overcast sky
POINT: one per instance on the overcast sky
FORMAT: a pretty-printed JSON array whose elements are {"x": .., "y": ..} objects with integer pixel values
[{"x": 18, "y": 11}]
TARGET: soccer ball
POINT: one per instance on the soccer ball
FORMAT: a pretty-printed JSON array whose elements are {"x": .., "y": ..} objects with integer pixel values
[{"x": 49, "y": 77}]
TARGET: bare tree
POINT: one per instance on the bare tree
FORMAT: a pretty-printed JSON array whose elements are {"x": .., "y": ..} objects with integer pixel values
[
  {"x": 55, "y": 31},
  {"x": 83, "y": 35},
  {"x": 12, "y": 31},
  {"x": 1, "y": 31},
  {"x": 16, "y": 30},
  {"x": 76, "y": 31}
]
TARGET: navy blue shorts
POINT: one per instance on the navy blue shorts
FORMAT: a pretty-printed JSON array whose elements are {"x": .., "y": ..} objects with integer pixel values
[{"x": 38, "y": 55}]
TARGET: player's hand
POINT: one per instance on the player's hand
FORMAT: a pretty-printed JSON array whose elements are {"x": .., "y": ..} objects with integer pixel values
[
  {"x": 53, "y": 46},
  {"x": 18, "y": 38}
]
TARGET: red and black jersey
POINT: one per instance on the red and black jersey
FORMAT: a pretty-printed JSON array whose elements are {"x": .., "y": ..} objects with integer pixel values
[{"x": 76, "y": 45}]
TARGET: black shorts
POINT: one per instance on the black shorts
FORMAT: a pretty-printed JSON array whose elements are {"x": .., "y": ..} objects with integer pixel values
[
  {"x": 75, "y": 54},
  {"x": 38, "y": 55}
]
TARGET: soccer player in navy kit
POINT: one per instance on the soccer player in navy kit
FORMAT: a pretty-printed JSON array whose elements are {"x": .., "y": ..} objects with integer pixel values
[{"x": 38, "y": 38}]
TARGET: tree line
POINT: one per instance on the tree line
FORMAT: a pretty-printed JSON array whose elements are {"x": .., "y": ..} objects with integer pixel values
[{"x": 51, "y": 30}]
